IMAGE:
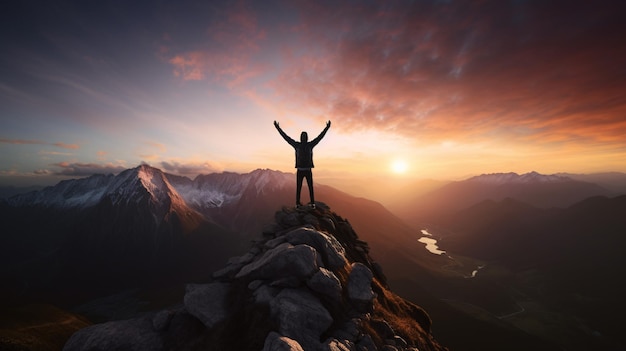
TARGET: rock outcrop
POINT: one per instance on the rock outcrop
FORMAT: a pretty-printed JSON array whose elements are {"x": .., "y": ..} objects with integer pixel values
[{"x": 307, "y": 284}]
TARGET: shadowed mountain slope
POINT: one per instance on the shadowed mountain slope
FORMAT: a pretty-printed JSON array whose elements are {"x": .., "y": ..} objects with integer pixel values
[{"x": 539, "y": 190}]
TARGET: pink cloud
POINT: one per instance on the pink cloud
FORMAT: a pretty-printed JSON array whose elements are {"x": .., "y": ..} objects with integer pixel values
[
  {"x": 468, "y": 71},
  {"x": 67, "y": 146}
]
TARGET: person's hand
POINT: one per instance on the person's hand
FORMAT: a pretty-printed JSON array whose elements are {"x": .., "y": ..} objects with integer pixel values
[
  {"x": 328, "y": 124},
  {"x": 276, "y": 124}
]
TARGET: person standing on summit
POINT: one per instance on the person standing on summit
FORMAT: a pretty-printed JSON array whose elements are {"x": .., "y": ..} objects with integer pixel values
[{"x": 304, "y": 160}]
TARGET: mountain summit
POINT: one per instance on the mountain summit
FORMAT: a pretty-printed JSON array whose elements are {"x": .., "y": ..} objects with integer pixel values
[{"x": 307, "y": 284}]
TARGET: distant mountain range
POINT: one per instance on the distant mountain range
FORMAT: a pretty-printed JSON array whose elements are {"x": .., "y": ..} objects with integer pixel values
[{"x": 535, "y": 189}]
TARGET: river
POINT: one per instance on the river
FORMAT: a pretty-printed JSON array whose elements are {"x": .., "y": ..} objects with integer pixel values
[{"x": 431, "y": 244}]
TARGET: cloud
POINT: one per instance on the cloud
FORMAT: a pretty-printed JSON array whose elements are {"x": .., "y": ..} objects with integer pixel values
[
  {"x": 151, "y": 150},
  {"x": 37, "y": 142},
  {"x": 86, "y": 169},
  {"x": 67, "y": 146},
  {"x": 227, "y": 56},
  {"x": 43, "y": 172},
  {"x": 190, "y": 169},
  {"x": 472, "y": 70}
]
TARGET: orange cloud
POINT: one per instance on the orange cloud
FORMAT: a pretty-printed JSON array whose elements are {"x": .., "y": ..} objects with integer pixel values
[
  {"x": 432, "y": 72},
  {"x": 66, "y": 146}
]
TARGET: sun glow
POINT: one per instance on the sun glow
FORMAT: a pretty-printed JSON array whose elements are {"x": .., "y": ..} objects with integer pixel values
[{"x": 399, "y": 166}]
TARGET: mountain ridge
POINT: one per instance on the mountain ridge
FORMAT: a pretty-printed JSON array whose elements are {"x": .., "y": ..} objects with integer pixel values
[{"x": 536, "y": 189}]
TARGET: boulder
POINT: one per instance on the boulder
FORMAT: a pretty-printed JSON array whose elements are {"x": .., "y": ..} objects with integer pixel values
[
  {"x": 333, "y": 254},
  {"x": 207, "y": 302},
  {"x": 326, "y": 283},
  {"x": 132, "y": 335},
  {"x": 284, "y": 260},
  {"x": 360, "y": 287},
  {"x": 300, "y": 316}
]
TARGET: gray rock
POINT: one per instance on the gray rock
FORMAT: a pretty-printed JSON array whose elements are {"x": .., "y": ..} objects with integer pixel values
[
  {"x": 300, "y": 316},
  {"x": 227, "y": 272},
  {"x": 288, "y": 219},
  {"x": 276, "y": 342},
  {"x": 207, "y": 302},
  {"x": 360, "y": 286},
  {"x": 286, "y": 282},
  {"x": 242, "y": 260},
  {"x": 332, "y": 252},
  {"x": 311, "y": 219},
  {"x": 265, "y": 294},
  {"x": 326, "y": 282},
  {"x": 270, "y": 244},
  {"x": 284, "y": 260},
  {"x": 348, "y": 331},
  {"x": 255, "y": 284},
  {"x": 132, "y": 335},
  {"x": 162, "y": 319},
  {"x": 328, "y": 223}
]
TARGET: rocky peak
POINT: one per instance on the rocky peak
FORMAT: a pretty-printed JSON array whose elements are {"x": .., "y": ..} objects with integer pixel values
[{"x": 308, "y": 283}]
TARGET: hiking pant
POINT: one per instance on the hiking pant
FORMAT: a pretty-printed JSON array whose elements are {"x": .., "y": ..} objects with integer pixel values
[{"x": 309, "y": 181}]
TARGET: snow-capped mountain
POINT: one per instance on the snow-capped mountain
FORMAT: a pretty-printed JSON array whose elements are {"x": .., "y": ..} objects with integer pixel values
[
  {"x": 132, "y": 185},
  {"x": 222, "y": 189}
]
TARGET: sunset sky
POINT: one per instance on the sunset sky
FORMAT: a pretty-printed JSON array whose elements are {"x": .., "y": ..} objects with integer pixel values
[{"x": 430, "y": 89}]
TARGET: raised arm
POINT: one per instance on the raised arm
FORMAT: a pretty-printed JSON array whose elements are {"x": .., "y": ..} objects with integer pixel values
[
  {"x": 319, "y": 137},
  {"x": 284, "y": 135}
]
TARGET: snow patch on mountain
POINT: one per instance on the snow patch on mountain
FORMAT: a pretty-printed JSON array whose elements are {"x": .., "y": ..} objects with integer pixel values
[{"x": 66, "y": 194}]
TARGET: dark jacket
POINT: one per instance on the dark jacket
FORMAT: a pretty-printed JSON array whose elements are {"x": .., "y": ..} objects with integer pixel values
[{"x": 304, "y": 150}]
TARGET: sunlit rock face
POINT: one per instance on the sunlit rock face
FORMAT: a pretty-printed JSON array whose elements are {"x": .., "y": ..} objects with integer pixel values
[{"x": 307, "y": 283}]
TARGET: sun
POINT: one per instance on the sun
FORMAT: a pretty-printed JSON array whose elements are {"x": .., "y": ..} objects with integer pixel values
[{"x": 399, "y": 166}]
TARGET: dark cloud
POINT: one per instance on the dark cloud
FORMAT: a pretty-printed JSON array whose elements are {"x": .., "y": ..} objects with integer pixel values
[
  {"x": 86, "y": 169},
  {"x": 189, "y": 169},
  {"x": 37, "y": 142}
]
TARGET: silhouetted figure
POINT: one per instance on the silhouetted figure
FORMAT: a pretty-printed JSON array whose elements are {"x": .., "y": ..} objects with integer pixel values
[{"x": 304, "y": 160}]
